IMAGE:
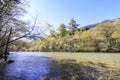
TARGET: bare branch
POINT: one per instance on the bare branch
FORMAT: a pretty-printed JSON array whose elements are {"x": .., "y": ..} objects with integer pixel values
[
  {"x": 25, "y": 35},
  {"x": 4, "y": 34},
  {"x": 7, "y": 21}
]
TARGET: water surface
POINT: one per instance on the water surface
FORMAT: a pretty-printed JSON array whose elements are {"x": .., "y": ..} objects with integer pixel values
[
  {"x": 40, "y": 66},
  {"x": 26, "y": 67}
]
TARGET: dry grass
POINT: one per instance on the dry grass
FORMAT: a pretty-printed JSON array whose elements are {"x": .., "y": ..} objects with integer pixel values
[{"x": 111, "y": 59}]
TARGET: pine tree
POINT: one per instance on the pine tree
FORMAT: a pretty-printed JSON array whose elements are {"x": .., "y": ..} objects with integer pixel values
[{"x": 72, "y": 25}]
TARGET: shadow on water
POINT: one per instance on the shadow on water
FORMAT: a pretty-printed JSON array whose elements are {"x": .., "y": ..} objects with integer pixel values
[{"x": 29, "y": 67}]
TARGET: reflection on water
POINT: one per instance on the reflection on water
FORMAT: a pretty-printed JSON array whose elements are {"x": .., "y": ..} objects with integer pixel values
[{"x": 26, "y": 67}]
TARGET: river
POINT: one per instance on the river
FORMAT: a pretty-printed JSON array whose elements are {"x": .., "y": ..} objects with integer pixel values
[
  {"x": 26, "y": 67},
  {"x": 38, "y": 66}
]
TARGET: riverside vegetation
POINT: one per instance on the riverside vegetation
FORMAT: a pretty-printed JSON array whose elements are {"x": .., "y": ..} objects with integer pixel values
[{"x": 100, "y": 37}]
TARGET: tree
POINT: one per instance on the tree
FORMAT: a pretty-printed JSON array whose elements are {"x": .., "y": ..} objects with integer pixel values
[
  {"x": 62, "y": 30},
  {"x": 116, "y": 38},
  {"x": 52, "y": 33},
  {"x": 72, "y": 25},
  {"x": 12, "y": 28},
  {"x": 102, "y": 34},
  {"x": 116, "y": 33},
  {"x": 107, "y": 31},
  {"x": 10, "y": 12},
  {"x": 86, "y": 41}
]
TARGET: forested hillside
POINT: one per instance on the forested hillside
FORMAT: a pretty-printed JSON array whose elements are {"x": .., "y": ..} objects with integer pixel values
[{"x": 100, "y": 37}]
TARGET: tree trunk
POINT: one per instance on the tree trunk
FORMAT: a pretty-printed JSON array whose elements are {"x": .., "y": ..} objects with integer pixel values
[{"x": 7, "y": 44}]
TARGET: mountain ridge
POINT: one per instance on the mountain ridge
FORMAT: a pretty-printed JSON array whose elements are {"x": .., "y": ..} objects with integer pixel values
[{"x": 87, "y": 27}]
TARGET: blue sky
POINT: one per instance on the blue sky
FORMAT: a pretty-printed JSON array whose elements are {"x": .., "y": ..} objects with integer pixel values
[{"x": 84, "y": 12}]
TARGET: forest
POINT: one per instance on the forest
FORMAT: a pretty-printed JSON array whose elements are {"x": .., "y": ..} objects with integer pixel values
[{"x": 100, "y": 37}]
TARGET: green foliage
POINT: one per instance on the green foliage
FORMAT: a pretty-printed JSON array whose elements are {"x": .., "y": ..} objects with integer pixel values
[
  {"x": 116, "y": 33},
  {"x": 19, "y": 46},
  {"x": 86, "y": 35},
  {"x": 62, "y": 30},
  {"x": 105, "y": 37}
]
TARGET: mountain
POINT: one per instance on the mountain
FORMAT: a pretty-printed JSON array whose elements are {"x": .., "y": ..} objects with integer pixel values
[{"x": 87, "y": 27}]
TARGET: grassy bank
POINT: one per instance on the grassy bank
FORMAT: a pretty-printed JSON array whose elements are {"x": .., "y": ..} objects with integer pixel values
[{"x": 70, "y": 69}]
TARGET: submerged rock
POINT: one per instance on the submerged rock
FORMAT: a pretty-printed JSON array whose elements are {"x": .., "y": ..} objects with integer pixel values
[{"x": 10, "y": 61}]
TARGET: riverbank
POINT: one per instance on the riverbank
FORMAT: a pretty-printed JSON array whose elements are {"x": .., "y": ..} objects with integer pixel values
[{"x": 112, "y": 59}]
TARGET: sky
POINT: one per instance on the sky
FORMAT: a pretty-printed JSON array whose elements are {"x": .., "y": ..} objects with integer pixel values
[{"x": 85, "y": 12}]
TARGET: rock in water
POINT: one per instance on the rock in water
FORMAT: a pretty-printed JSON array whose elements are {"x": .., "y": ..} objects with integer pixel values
[{"x": 10, "y": 61}]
